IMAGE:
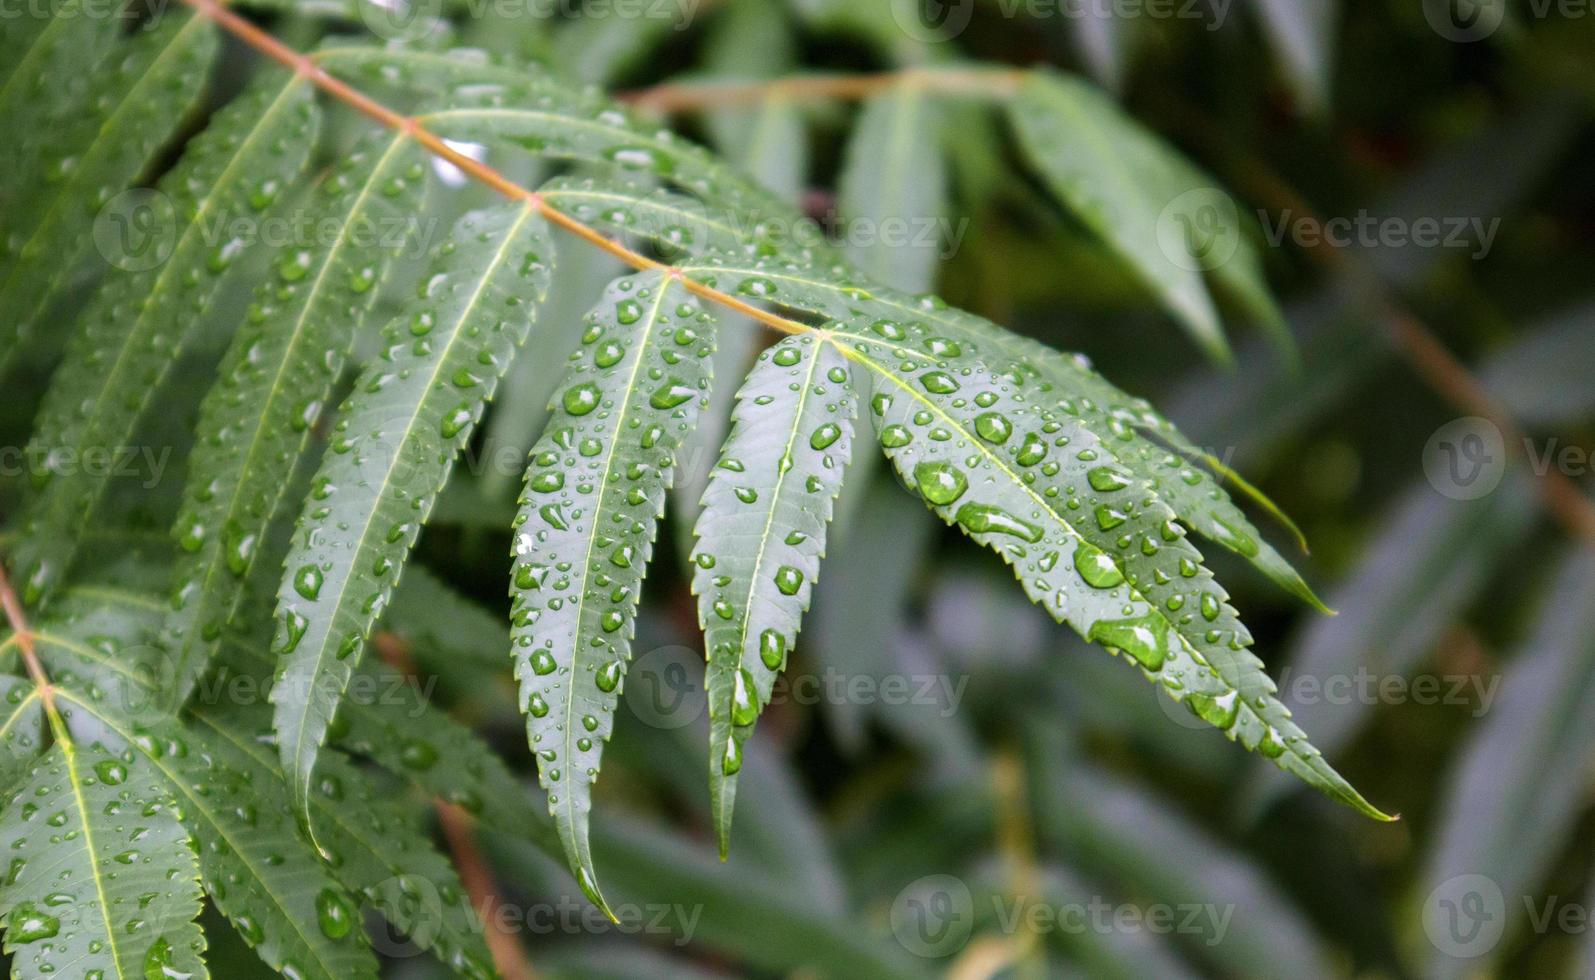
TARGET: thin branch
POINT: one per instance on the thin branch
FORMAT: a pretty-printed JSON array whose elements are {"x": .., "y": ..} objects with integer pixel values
[
  {"x": 24, "y": 633},
  {"x": 307, "y": 67},
  {"x": 692, "y": 96}
]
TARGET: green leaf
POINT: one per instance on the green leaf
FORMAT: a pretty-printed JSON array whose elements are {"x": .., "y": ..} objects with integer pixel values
[
  {"x": 131, "y": 333},
  {"x": 594, "y": 493},
  {"x": 1147, "y": 848},
  {"x": 1167, "y": 221},
  {"x": 256, "y": 422},
  {"x": 761, "y": 536},
  {"x": 1509, "y": 807},
  {"x": 102, "y": 881},
  {"x": 108, "y": 147},
  {"x": 21, "y": 726},
  {"x": 51, "y": 75},
  {"x": 396, "y": 437},
  {"x": 385, "y": 717},
  {"x": 261, "y": 874},
  {"x": 893, "y": 189},
  {"x": 1134, "y": 432},
  {"x": 1089, "y": 541},
  {"x": 376, "y": 850}
]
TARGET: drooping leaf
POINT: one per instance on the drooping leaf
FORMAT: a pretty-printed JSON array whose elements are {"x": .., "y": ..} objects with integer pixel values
[
  {"x": 107, "y": 148},
  {"x": 594, "y": 493},
  {"x": 1509, "y": 807},
  {"x": 103, "y": 881},
  {"x": 1088, "y": 540},
  {"x": 131, "y": 333},
  {"x": 392, "y": 448},
  {"x": 257, "y": 421},
  {"x": 1168, "y": 222},
  {"x": 761, "y": 536},
  {"x": 893, "y": 190}
]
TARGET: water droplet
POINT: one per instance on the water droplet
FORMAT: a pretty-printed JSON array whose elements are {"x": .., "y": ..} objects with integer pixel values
[
  {"x": 940, "y": 483},
  {"x": 1096, "y": 567},
  {"x": 788, "y": 580}
]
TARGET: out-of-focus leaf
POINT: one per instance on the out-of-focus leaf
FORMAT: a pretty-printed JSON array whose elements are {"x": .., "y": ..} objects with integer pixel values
[
  {"x": 741, "y": 912},
  {"x": 1544, "y": 378},
  {"x": 1165, "y": 219},
  {"x": 1304, "y": 35},
  {"x": 892, "y": 191},
  {"x": 1120, "y": 833},
  {"x": 1426, "y": 564},
  {"x": 1516, "y": 790},
  {"x": 875, "y": 554}
]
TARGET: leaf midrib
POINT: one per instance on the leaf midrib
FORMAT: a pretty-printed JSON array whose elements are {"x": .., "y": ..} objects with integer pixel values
[
  {"x": 130, "y": 99},
  {"x": 527, "y": 211},
  {"x": 298, "y": 334},
  {"x": 644, "y": 337},
  {"x": 91, "y": 425},
  {"x": 176, "y": 780}
]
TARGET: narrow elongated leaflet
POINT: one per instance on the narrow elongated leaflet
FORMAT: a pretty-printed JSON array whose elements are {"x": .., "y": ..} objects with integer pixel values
[
  {"x": 138, "y": 322},
  {"x": 149, "y": 82},
  {"x": 594, "y": 493},
  {"x": 413, "y": 408},
  {"x": 1089, "y": 541},
  {"x": 761, "y": 536},
  {"x": 256, "y": 423},
  {"x": 102, "y": 879}
]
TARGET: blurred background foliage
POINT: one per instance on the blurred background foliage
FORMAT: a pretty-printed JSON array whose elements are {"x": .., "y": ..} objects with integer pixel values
[{"x": 941, "y": 734}]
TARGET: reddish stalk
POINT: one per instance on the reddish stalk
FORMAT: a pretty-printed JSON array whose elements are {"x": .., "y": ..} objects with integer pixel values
[
  {"x": 692, "y": 96},
  {"x": 307, "y": 68}
]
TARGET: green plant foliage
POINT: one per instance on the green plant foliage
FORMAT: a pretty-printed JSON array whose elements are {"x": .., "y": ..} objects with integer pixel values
[{"x": 328, "y": 390}]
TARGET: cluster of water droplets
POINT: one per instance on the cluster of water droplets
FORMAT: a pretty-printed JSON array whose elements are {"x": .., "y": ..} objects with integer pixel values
[
  {"x": 100, "y": 875},
  {"x": 773, "y": 487},
  {"x": 280, "y": 371},
  {"x": 396, "y": 436},
  {"x": 140, "y": 321},
  {"x": 594, "y": 492},
  {"x": 1088, "y": 538}
]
